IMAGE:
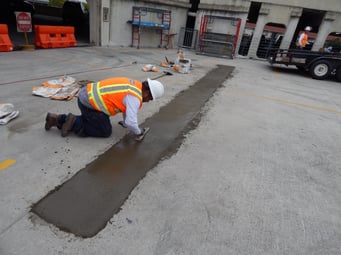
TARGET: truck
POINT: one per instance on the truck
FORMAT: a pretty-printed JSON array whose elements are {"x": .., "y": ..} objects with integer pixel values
[{"x": 319, "y": 64}]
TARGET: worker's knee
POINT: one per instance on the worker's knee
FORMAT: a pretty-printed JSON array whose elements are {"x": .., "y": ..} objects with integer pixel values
[{"x": 107, "y": 132}]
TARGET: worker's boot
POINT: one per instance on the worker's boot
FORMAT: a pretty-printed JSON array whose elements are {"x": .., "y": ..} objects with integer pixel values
[
  {"x": 67, "y": 126},
  {"x": 51, "y": 121}
]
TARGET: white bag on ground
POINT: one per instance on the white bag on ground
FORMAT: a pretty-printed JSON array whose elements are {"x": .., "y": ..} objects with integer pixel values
[{"x": 7, "y": 113}]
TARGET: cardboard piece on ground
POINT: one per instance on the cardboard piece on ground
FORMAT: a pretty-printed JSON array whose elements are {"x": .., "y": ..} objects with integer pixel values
[
  {"x": 44, "y": 91},
  {"x": 64, "y": 88},
  {"x": 59, "y": 83}
]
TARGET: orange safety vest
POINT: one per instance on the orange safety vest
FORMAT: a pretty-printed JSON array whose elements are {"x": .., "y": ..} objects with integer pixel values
[
  {"x": 107, "y": 95},
  {"x": 304, "y": 40}
]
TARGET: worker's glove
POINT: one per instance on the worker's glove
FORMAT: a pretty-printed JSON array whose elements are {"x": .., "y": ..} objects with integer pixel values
[
  {"x": 143, "y": 133},
  {"x": 122, "y": 124}
]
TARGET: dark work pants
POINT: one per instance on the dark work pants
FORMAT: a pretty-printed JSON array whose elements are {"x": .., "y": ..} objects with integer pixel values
[{"x": 92, "y": 123}]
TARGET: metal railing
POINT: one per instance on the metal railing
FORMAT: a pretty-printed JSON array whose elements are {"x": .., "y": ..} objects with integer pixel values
[
  {"x": 216, "y": 44},
  {"x": 187, "y": 38}
]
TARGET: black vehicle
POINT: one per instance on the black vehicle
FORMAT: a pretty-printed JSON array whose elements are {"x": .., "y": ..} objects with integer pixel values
[
  {"x": 9, "y": 7},
  {"x": 75, "y": 12},
  {"x": 320, "y": 65}
]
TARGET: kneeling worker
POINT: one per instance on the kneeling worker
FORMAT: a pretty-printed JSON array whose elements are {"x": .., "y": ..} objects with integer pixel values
[{"x": 99, "y": 100}]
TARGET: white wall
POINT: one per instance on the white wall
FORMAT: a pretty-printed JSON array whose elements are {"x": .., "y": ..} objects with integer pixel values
[
  {"x": 120, "y": 33},
  {"x": 120, "y": 30},
  {"x": 327, "y": 5},
  {"x": 117, "y": 32}
]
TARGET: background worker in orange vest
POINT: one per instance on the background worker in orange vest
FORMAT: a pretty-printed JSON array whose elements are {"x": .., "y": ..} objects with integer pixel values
[
  {"x": 303, "y": 38},
  {"x": 98, "y": 101}
]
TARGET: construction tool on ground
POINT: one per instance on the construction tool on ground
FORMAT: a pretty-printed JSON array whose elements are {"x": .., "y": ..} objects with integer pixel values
[
  {"x": 139, "y": 138},
  {"x": 166, "y": 63},
  {"x": 164, "y": 74}
]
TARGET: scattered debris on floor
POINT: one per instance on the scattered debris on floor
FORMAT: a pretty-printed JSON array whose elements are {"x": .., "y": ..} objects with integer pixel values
[
  {"x": 64, "y": 88},
  {"x": 7, "y": 113},
  {"x": 180, "y": 65},
  {"x": 163, "y": 74},
  {"x": 150, "y": 68},
  {"x": 166, "y": 63}
]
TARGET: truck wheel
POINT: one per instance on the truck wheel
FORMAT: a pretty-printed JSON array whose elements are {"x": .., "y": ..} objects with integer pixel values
[
  {"x": 320, "y": 70},
  {"x": 338, "y": 74}
]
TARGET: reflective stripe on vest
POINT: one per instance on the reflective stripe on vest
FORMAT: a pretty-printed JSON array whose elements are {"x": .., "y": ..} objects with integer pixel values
[{"x": 96, "y": 92}]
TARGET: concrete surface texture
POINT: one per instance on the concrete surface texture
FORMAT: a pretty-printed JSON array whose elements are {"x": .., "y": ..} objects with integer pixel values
[
  {"x": 105, "y": 184},
  {"x": 259, "y": 175}
]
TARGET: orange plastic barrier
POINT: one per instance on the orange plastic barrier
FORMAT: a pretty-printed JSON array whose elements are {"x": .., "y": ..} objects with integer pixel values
[
  {"x": 5, "y": 42},
  {"x": 54, "y": 36}
]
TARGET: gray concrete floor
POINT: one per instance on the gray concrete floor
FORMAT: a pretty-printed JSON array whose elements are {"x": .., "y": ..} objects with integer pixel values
[{"x": 259, "y": 175}]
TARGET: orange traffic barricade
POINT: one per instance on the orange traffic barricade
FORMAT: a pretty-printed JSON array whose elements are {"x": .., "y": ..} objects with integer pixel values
[
  {"x": 54, "y": 36},
  {"x": 5, "y": 42}
]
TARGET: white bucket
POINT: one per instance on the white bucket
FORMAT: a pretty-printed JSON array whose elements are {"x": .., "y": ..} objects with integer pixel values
[{"x": 184, "y": 64}]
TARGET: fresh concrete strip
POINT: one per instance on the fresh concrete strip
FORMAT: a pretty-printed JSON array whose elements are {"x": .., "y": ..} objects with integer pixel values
[{"x": 84, "y": 204}]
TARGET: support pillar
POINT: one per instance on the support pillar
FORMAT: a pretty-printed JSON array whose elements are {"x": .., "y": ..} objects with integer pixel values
[
  {"x": 324, "y": 30},
  {"x": 95, "y": 21},
  {"x": 257, "y": 33},
  {"x": 105, "y": 22},
  {"x": 290, "y": 30},
  {"x": 241, "y": 29}
]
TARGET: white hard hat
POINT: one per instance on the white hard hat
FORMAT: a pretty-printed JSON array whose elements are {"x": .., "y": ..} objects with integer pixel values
[
  {"x": 308, "y": 28},
  {"x": 156, "y": 88}
]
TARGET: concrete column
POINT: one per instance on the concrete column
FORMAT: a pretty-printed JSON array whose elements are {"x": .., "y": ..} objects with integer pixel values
[
  {"x": 105, "y": 22},
  {"x": 290, "y": 30},
  {"x": 95, "y": 21},
  {"x": 324, "y": 30},
  {"x": 241, "y": 29},
  {"x": 257, "y": 35}
]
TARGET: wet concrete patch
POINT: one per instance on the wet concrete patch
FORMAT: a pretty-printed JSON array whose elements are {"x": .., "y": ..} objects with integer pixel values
[{"x": 84, "y": 204}]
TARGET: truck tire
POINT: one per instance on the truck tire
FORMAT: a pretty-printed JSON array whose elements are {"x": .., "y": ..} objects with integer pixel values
[
  {"x": 338, "y": 74},
  {"x": 320, "y": 70}
]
